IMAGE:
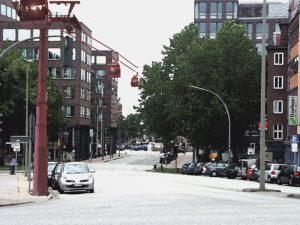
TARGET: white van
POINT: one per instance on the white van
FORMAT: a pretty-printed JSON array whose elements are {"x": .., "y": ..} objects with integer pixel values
[{"x": 243, "y": 165}]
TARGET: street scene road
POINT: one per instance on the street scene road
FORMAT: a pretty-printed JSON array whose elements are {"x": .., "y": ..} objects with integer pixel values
[{"x": 127, "y": 192}]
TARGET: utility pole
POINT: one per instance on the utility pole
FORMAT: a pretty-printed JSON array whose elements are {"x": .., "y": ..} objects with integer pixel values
[{"x": 262, "y": 154}]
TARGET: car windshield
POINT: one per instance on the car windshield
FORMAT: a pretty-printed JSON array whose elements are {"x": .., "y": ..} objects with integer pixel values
[
  {"x": 51, "y": 167},
  {"x": 76, "y": 168},
  {"x": 276, "y": 167},
  {"x": 298, "y": 169}
]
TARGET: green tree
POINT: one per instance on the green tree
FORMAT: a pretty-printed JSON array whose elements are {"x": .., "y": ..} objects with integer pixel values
[
  {"x": 13, "y": 69},
  {"x": 227, "y": 65}
]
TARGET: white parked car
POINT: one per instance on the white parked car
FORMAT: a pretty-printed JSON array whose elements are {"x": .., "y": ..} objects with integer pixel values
[
  {"x": 272, "y": 171},
  {"x": 75, "y": 176}
]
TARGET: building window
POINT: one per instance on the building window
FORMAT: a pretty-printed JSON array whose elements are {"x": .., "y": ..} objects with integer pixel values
[
  {"x": 202, "y": 10},
  {"x": 8, "y": 12},
  {"x": 74, "y": 54},
  {"x": 82, "y": 74},
  {"x": 88, "y": 95},
  {"x": 88, "y": 77},
  {"x": 202, "y": 29},
  {"x": 278, "y": 131},
  {"x": 24, "y": 34},
  {"x": 214, "y": 27},
  {"x": 69, "y": 73},
  {"x": 82, "y": 111},
  {"x": 3, "y": 9},
  {"x": 101, "y": 60},
  {"x": 36, "y": 33},
  {"x": 248, "y": 30},
  {"x": 9, "y": 35},
  {"x": 277, "y": 106},
  {"x": 259, "y": 31},
  {"x": 82, "y": 93},
  {"x": 69, "y": 111},
  {"x": 87, "y": 113},
  {"x": 231, "y": 10},
  {"x": 278, "y": 58},
  {"x": 68, "y": 92},
  {"x": 100, "y": 74},
  {"x": 54, "y": 72},
  {"x": 52, "y": 32},
  {"x": 278, "y": 82},
  {"x": 54, "y": 53}
]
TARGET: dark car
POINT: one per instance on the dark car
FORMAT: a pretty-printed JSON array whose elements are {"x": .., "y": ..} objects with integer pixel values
[
  {"x": 167, "y": 158},
  {"x": 195, "y": 168},
  {"x": 50, "y": 168},
  {"x": 184, "y": 168},
  {"x": 231, "y": 171},
  {"x": 54, "y": 176},
  {"x": 216, "y": 169},
  {"x": 289, "y": 175}
]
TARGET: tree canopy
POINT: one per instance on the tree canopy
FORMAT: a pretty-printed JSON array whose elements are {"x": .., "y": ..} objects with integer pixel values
[
  {"x": 227, "y": 65},
  {"x": 13, "y": 69}
]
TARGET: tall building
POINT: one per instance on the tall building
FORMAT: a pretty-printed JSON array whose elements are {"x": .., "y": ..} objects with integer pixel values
[
  {"x": 77, "y": 80},
  {"x": 210, "y": 15}
]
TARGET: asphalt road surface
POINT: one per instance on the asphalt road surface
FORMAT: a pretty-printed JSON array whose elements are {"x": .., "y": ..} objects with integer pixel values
[{"x": 126, "y": 193}]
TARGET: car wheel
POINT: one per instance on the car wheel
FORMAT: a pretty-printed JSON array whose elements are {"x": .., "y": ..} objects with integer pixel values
[
  {"x": 269, "y": 180},
  {"x": 213, "y": 174},
  {"x": 279, "y": 181},
  {"x": 92, "y": 190}
]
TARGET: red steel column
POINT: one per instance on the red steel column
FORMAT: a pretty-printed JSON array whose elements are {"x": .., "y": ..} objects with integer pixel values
[{"x": 40, "y": 179}]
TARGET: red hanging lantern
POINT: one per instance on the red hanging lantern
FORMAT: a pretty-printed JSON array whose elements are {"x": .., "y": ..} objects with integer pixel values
[
  {"x": 114, "y": 70},
  {"x": 135, "y": 81}
]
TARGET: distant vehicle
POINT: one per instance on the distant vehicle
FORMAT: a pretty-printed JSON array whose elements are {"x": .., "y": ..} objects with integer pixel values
[
  {"x": 243, "y": 165},
  {"x": 289, "y": 175},
  {"x": 272, "y": 171},
  {"x": 50, "y": 168},
  {"x": 216, "y": 169},
  {"x": 75, "y": 176},
  {"x": 231, "y": 171},
  {"x": 195, "y": 168},
  {"x": 167, "y": 158},
  {"x": 184, "y": 168},
  {"x": 54, "y": 175}
]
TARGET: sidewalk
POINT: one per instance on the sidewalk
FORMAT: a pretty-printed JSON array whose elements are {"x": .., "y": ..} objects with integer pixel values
[{"x": 14, "y": 189}]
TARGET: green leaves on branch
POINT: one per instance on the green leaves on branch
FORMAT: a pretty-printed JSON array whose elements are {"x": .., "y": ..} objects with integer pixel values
[{"x": 227, "y": 65}]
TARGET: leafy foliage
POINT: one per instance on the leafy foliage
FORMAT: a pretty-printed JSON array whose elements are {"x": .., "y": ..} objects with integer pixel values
[
  {"x": 13, "y": 69},
  {"x": 228, "y": 65}
]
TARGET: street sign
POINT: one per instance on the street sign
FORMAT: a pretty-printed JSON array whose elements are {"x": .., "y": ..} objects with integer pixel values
[
  {"x": 17, "y": 148},
  {"x": 19, "y": 139},
  {"x": 294, "y": 146},
  {"x": 251, "y": 151}
]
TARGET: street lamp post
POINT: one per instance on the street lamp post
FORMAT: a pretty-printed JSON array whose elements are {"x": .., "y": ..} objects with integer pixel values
[{"x": 228, "y": 115}]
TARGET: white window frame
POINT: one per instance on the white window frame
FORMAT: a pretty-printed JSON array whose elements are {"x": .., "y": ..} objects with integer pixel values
[
  {"x": 277, "y": 131},
  {"x": 278, "y": 82},
  {"x": 277, "y": 106},
  {"x": 278, "y": 58}
]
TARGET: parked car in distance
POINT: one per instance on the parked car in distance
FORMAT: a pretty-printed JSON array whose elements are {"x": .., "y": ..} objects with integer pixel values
[
  {"x": 50, "y": 168},
  {"x": 216, "y": 169},
  {"x": 195, "y": 168},
  {"x": 272, "y": 171},
  {"x": 231, "y": 171},
  {"x": 289, "y": 175},
  {"x": 184, "y": 168},
  {"x": 167, "y": 158},
  {"x": 75, "y": 176},
  {"x": 54, "y": 175},
  {"x": 252, "y": 173}
]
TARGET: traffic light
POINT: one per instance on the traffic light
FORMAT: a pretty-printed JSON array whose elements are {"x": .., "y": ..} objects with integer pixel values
[{"x": 69, "y": 44}]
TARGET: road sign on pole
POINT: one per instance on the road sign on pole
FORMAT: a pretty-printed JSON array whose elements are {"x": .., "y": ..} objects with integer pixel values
[{"x": 19, "y": 139}]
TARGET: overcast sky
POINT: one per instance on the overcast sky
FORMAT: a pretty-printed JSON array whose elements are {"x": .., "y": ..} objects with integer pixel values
[{"x": 137, "y": 29}]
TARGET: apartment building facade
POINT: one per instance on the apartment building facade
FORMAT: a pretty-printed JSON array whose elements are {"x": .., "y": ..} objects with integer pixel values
[{"x": 73, "y": 78}]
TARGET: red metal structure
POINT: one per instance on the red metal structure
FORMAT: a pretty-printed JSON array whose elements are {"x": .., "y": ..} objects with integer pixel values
[{"x": 35, "y": 14}]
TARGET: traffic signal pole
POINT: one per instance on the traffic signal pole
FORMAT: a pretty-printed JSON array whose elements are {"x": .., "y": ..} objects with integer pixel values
[{"x": 40, "y": 181}]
